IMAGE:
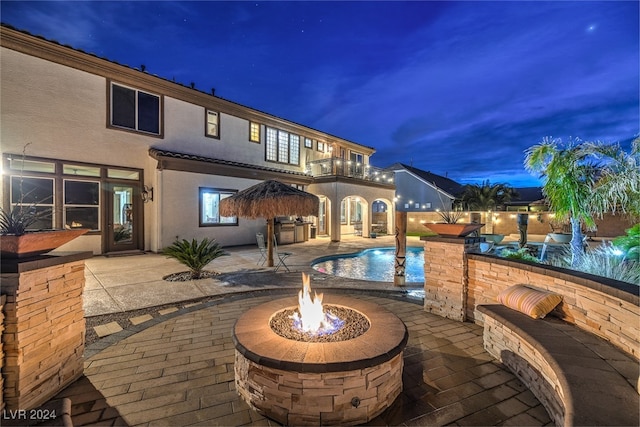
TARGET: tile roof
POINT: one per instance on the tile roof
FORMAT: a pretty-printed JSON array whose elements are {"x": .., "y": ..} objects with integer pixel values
[{"x": 156, "y": 153}]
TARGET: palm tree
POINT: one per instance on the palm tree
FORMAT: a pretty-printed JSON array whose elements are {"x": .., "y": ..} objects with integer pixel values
[
  {"x": 584, "y": 179},
  {"x": 486, "y": 196}
]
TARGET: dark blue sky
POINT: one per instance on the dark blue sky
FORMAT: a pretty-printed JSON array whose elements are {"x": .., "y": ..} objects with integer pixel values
[{"x": 456, "y": 88}]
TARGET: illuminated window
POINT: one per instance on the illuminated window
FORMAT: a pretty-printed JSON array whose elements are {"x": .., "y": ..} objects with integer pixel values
[
  {"x": 271, "y": 145},
  {"x": 308, "y": 143},
  {"x": 282, "y": 147},
  {"x": 294, "y": 149},
  {"x": 210, "y": 207},
  {"x": 254, "y": 132},
  {"x": 213, "y": 124}
]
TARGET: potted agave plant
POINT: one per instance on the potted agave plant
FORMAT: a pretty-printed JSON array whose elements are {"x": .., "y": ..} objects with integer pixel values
[
  {"x": 450, "y": 225},
  {"x": 18, "y": 240}
]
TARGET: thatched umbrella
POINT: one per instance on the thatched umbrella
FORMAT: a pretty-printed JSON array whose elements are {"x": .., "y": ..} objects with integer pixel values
[{"x": 268, "y": 200}]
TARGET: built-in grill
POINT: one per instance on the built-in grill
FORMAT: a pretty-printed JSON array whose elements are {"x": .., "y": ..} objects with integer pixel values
[{"x": 285, "y": 230}]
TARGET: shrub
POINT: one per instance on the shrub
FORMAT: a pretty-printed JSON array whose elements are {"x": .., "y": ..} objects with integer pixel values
[
  {"x": 604, "y": 261},
  {"x": 629, "y": 244},
  {"x": 195, "y": 255},
  {"x": 521, "y": 254}
]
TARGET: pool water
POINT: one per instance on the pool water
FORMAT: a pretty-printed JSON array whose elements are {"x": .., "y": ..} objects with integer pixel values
[{"x": 376, "y": 264}]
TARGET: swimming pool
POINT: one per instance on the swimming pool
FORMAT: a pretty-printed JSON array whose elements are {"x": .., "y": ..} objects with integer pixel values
[{"x": 376, "y": 264}]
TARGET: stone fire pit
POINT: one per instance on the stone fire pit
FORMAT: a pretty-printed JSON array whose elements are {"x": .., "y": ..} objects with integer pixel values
[{"x": 319, "y": 383}]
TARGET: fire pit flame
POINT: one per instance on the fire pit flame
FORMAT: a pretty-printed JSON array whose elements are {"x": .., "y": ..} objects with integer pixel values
[{"x": 311, "y": 317}]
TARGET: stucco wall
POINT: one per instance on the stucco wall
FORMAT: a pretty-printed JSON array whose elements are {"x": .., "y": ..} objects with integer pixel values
[{"x": 178, "y": 209}]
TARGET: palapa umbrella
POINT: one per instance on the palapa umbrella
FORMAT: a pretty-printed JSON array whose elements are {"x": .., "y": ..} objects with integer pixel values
[{"x": 267, "y": 200}]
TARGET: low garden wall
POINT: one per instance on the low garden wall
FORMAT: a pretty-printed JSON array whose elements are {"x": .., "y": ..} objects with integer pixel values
[
  {"x": 456, "y": 281},
  {"x": 43, "y": 327}
]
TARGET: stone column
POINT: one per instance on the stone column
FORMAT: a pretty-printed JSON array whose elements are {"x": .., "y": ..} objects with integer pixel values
[
  {"x": 445, "y": 277},
  {"x": 44, "y": 327}
]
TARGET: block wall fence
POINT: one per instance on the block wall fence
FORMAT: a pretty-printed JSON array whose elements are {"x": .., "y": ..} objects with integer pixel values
[
  {"x": 505, "y": 223},
  {"x": 456, "y": 281},
  {"x": 43, "y": 329}
]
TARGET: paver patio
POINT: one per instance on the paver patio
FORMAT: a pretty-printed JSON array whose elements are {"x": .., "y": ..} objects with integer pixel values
[
  {"x": 180, "y": 372},
  {"x": 177, "y": 368}
]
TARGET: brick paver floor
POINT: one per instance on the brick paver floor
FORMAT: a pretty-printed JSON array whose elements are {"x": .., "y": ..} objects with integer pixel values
[{"x": 179, "y": 372}]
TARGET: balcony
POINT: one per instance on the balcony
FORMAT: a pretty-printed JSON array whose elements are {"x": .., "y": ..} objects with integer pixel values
[{"x": 339, "y": 167}]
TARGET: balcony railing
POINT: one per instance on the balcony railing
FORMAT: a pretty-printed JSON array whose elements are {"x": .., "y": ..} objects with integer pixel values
[{"x": 339, "y": 167}]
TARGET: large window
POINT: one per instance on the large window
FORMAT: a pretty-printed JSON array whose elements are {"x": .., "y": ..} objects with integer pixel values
[
  {"x": 282, "y": 147},
  {"x": 64, "y": 195},
  {"x": 134, "y": 109},
  {"x": 210, "y": 207}
]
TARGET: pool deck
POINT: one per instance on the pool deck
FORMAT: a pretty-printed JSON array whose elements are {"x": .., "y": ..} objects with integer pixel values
[{"x": 174, "y": 366}]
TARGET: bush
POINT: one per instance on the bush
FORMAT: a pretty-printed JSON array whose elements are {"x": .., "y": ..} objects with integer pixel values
[
  {"x": 195, "y": 255},
  {"x": 604, "y": 261},
  {"x": 629, "y": 244},
  {"x": 521, "y": 254}
]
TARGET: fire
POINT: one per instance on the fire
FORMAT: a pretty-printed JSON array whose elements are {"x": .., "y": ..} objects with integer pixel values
[{"x": 311, "y": 317}]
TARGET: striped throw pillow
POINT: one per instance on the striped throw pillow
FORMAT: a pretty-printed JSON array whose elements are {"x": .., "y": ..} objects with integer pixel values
[{"x": 529, "y": 301}]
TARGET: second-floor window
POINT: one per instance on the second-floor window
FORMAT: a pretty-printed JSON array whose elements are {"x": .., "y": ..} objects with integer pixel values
[
  {"x": 213, "y": 124},
  {"x": 134, "y": 109},
  {"x": 254, "y": 132},
  {"x": 282, "y": 147}
]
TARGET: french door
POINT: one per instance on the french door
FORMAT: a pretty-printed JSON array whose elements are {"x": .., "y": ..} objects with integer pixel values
[{"x": 123, "y": 217}]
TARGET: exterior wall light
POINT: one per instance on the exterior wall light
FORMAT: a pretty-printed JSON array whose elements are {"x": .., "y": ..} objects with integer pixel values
[{"x": 147, "y": 194}]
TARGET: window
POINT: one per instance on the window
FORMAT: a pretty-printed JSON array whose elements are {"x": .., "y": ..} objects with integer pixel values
[
  {"x": 134, "y": 109},
  {"x": 308, "y": 143},
  {"x": 210, "y": 207},
  {"x": 355, "y": 157},
  {"x": 355, "y": 210},
  {"x": 271, "y": 146},
  {"x": 282, "y": 147},
  {"x": 320, "y": 146},
  {"x": 82, "y": 204},
  {"x": 35, "y": 195},
  {"x": 254, "y": 132},
  {"x": 294, "y": 149},
  {"x": 212, "y": 124}
]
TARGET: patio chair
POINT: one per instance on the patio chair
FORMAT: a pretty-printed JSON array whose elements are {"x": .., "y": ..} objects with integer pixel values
[
  {"x": 263, "y": 248},
  {"x": 280, "y": 255}
]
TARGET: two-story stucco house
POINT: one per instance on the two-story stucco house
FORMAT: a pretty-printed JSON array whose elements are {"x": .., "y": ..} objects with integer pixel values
[{"x": 140, "y": 160}]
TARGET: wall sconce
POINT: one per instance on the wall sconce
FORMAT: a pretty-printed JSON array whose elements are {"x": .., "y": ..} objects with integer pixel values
[{"x": 147, "y": 194}]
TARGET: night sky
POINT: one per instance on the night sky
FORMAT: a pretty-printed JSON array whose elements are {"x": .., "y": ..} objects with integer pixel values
[{"x": 456, "y": 88}]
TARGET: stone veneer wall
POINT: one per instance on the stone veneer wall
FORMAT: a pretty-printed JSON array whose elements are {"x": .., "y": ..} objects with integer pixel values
[
  {"x": 44, "y": 328},
  {"x": 457, "y": 281},
  {"x": 529, "y": 365},
  {"x": 597, "y": 305},
  {"x": 3, "y": 301},
  {"x": 445, "y": 276},
  {"x": 298, "y": 398}
]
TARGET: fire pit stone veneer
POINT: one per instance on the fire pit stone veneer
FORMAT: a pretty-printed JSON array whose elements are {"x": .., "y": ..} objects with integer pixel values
[{"x": 319, "y": 383}]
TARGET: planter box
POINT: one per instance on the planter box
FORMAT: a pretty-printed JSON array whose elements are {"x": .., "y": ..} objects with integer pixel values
[
  {"x": 36, "y": 243},
  {"x": 454, "y": 230}
]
